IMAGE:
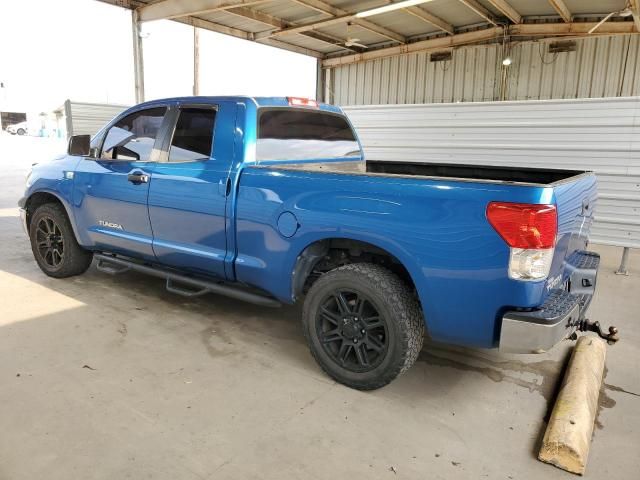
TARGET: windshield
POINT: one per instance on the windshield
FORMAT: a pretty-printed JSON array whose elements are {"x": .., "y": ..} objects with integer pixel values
[{"x": 297, "y": 134}]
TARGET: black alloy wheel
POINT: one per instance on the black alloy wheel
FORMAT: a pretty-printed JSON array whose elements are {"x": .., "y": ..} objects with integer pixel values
[
  {"x": 352, "y": 331},
  {"x": 50, "y": 242},
  {"x": 54, "y": 244},
  {"x": 363, "y": 324}
]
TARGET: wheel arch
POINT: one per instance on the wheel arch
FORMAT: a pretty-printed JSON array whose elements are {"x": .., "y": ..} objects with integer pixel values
[
  {"x": 41, "y": 197},
  {"x": 345, "y": 250}
]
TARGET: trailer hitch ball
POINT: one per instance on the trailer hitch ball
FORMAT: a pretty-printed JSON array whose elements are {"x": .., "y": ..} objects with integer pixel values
[{"x": 588, "y": 326}]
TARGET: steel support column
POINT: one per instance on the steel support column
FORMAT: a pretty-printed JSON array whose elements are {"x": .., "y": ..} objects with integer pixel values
[
  {"x": 320, "y": 96},
  {"x": 138, "y": 59},
  {"x": 622, "y": 269},
  {"x": 196, "y": 62},
  {"x": 328, "y": 86}
]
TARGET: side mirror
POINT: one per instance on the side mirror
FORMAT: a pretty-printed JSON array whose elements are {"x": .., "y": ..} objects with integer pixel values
[{"x": 79, "y": 145}]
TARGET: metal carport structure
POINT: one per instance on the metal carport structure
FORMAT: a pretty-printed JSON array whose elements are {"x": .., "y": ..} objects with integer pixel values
[{"x": 345, "y": 32}]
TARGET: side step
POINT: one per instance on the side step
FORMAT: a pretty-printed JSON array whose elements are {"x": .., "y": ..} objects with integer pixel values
[{"x": 114, "y": 265}]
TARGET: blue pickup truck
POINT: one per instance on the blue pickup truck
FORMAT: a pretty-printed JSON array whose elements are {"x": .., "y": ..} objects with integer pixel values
[{"x": 271, "y": 201}]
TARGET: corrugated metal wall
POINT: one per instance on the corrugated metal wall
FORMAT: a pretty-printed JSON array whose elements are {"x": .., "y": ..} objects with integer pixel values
[
  {"x": 602, "y": 135},
  {"x": 87, "y": 118},
  {"x": 600, "y": 67}
]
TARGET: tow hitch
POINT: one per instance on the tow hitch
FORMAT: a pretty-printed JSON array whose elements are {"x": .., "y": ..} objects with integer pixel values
[{"x": 587, "y": 325}]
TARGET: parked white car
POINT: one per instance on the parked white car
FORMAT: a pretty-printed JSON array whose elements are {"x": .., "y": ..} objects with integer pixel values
[{"x": 18, "y": 128}]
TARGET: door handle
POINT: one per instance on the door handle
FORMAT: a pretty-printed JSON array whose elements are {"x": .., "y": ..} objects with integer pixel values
[{"x": 138, "y": 177}]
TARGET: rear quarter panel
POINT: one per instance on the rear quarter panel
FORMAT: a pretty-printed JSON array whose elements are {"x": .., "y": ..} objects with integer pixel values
[
  {"x": 574, "y": 222},
  {"x": 436, "y": 228}
]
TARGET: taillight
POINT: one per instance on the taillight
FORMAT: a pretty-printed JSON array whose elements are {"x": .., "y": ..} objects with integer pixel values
[
  {"x": 530, "y": 230},
  {"x": 524, "y": 225},
  {"x": 302, "y": 102}
]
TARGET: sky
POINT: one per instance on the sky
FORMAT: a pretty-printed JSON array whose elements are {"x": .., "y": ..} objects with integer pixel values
[{"x": 82, "y": 50}]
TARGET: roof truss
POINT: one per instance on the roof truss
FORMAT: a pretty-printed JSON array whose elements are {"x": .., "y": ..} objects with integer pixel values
[
  {"x": 635, "y": 11},
  {"x": 480, "y": 11},
  {"x": 335, "y": 12},
  {"x": 507, "y": 10},
  {"x": 281, "y": 24},
  {"x": 172, "y": 9},
  {"x": 562, "y": 9},
  {"x": 287, "y": 34},
  {"x": 430, "y": 18}
]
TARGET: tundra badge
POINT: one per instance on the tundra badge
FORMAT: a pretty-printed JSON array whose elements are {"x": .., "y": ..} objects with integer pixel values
[{"x": 104, "y": 223}]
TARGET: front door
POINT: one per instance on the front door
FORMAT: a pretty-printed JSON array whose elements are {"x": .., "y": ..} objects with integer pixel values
[
  {"x": 110, "y": 191},
  {"x": 188, "y": 195}
]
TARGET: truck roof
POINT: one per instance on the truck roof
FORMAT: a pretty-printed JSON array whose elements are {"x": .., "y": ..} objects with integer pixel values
[{"x": 259, "y": 101}]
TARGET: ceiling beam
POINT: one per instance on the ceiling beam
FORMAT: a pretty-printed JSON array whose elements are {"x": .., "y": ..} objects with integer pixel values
[
  {"x": 430, "y": 18},
  {"x": 550, "y": 30},
  {"x": 234, "y": 32},
  {"x": 307, "y": 26},
  {"x": 432, "y": 44},
  {"x": 292, "y": 48},
  {"x": 635, "y": 11},
  {"x": 323, "y": 7},
  {"x": 562, "y": 9},
  {"x": 576, "y": 29},
  {"x": 172, "y": 9},
  {"x": 481, "y": 11},
  {"x": 507, "y": 10},
  {"x": 279, "y": 23}
]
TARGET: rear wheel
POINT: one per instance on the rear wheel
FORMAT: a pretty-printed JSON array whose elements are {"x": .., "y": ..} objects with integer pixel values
[
  {"x": 54, "y": 244},
  {"x": 363, "y": 325},
  {"x": 21, "y": 131}
]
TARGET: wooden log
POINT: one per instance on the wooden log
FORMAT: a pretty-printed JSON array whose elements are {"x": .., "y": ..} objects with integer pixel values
[{"x": 568, "y": 437}]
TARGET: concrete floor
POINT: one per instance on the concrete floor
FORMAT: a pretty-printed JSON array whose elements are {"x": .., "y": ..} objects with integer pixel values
[{"x": 112, "y": 377}]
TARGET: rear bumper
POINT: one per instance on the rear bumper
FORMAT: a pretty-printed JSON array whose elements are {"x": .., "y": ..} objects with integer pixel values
[{"x": 537, "y": 331}]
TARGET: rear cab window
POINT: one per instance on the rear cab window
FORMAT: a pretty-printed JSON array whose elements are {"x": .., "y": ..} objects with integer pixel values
[
  {"x": 286, "y": 134},
  {"x": 193, "y": 135}
]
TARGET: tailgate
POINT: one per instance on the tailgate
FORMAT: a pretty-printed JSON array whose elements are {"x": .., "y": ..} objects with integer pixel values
[{"x": 575, "y": 201}]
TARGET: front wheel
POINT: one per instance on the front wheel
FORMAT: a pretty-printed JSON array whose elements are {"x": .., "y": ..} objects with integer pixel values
[
  {"x": 363, "y": 325},
  {"x": 54, "y": 244},
  {"x": 21, "y": 131}
]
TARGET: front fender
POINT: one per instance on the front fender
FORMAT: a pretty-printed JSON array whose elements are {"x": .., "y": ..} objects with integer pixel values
[{"x": 53, "y": 178}]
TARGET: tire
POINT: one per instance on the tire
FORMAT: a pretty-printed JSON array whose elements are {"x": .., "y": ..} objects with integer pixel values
[
  {"x": 382, "y": 327},
  {"x": 21, "y": 131},
  {"x": 50, "y": 231}
]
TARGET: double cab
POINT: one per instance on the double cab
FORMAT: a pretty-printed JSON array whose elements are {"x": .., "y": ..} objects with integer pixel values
[{"x": 271, "y": 201}]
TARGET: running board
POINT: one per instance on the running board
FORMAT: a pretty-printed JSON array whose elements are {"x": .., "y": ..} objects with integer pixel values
[{"x": 114, "y": 265}]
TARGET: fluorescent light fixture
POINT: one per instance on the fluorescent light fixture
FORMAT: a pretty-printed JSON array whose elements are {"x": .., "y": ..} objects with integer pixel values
[{"x": 390, "y": 8}]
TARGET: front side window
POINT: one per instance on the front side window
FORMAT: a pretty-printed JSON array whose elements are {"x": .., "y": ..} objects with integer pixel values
[
  {"x": 193, "y": 135},
  {"x": 295, "y": 134},
  {"x": 132, "y": 138}
]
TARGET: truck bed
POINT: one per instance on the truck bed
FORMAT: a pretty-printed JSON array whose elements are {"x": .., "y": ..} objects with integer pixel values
[
  {"x": 473, "y": 173},
  {"x": 538, "y": 176}
]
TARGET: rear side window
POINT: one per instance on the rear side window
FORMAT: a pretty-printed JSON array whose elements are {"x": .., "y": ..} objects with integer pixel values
[
  {"x": 296, "y": 134},
  {"x": 193, "y": 136},
  {"x": 132, "y": 138}
]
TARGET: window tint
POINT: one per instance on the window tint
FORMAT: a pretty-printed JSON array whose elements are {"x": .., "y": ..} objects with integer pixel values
[
  {"x": 132, "y": 138},
  {"x": 292, "y": 134},
  {"x": 193, "y": 136}
]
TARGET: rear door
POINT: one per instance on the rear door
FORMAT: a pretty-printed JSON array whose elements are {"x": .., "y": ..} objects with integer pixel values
[
  {"x": 188, "y": 195},
  {"x": 110, "y": 191}
]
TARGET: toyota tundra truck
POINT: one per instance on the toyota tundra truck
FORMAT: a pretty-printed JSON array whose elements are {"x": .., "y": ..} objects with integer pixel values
[{"x": 271, "y": 201}]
